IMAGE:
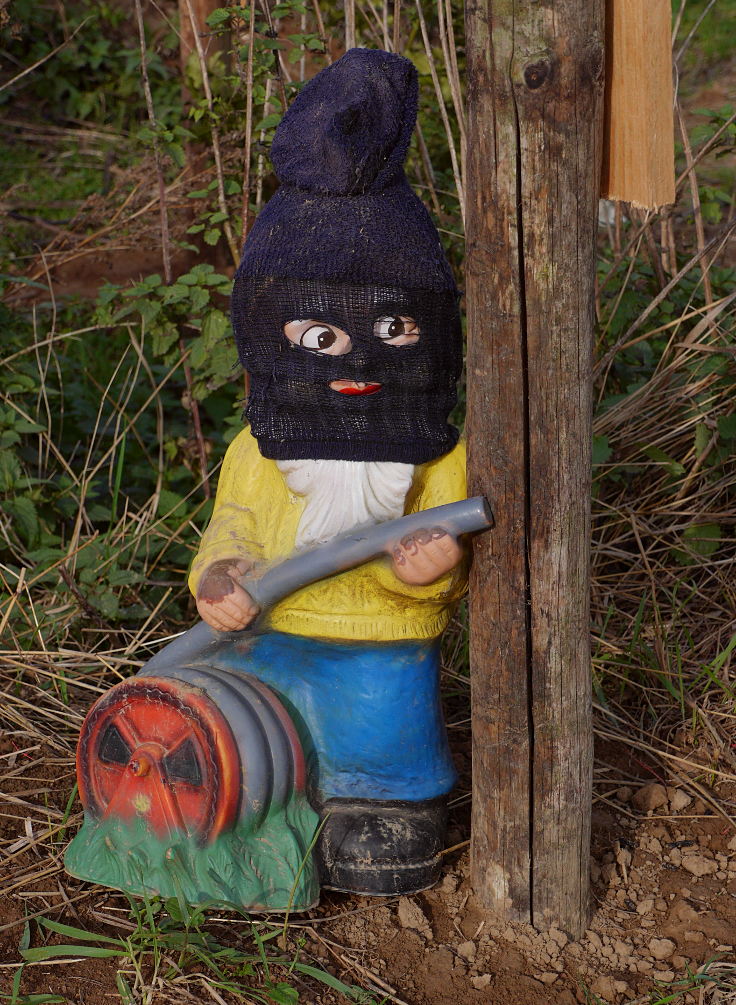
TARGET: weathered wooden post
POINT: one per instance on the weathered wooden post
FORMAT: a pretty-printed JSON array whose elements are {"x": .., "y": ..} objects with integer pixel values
[{"x": 535, "y": 114}]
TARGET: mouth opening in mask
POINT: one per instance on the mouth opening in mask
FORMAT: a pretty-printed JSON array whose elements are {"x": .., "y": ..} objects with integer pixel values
[{"x": 355, "y": 387}]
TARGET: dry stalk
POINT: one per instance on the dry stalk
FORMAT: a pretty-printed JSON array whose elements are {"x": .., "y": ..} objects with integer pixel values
[
  {"x": 443, "y": 111},
  {"x": 248, "y": 139},
  {"x": 349, "y": 24},
  {"x": 261, "y": 162},
  {"x": 222, "y": 201},
  {"x": 447, "y": 39},
  {"x": 428, "y": 170},
  {"x": 396, "y": 26},
  {"x": 321, "y": 30},
  {"x": 278, "y": 65},
  {"x": 373, "y": 21},
  {"x": 384, "y": 26},
  {"x": 164, "y": 219},
  {"x": 697, "y": 212}
]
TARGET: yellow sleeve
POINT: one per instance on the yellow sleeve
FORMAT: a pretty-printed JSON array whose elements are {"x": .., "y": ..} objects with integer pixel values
[{"x": 233, "y": 528}]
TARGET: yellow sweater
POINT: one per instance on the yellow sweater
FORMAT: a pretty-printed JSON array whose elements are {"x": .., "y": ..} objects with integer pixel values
[{"x": 256, "y": 518}]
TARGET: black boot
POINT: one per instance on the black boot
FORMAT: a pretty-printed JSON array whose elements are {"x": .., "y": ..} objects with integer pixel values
[{"x": 381, "y": 848}]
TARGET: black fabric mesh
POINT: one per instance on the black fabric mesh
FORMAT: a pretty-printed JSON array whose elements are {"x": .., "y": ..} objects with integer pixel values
[{"x": 295, "y": 414}]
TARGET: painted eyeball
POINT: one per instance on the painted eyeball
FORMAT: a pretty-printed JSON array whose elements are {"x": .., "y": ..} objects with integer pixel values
[
  {"x": 396, "y": 330},
  {"x": 316, "y": 336}
]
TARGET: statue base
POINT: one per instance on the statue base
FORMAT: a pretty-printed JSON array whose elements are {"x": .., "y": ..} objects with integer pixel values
[{"x": 270, "y": 868}]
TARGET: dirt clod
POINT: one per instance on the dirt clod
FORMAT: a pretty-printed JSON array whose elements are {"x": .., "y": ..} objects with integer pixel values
[
  {"x": 661, "y": 949},
  {"x": 412, "y": 916},
  {"x": 679, "y": 799},
  {"x": 650, "y": 797},
  {"x": 699, "y": 865},
  {"x": 609, "y": 989},
  {"x": 467, "y": 950}
]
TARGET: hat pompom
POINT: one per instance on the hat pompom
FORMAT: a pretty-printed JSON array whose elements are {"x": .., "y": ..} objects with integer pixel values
[{"x": 348, "y": 130}]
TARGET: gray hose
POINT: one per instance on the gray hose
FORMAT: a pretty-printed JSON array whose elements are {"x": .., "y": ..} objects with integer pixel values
[
  {"x": 355, "y": 548},
  {"x": 340, "y": 554}
]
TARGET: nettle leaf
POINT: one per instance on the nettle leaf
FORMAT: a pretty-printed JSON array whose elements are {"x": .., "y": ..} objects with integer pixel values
[
  {"x": 24, "y": 513},
  {"x": 702, "y": 438},
  {"x": 107, "y": 293},
  {"x": 171, "y": 506},
  {"x": 176, "y": 153},
  {"x": 123, "y": 577},
  {"x": 174, "y": 294},
  {"x": 10, "y": 470},
  {"x": 26, "y": 426},
  {"x": 199, "y": 297},
  {"x": 9, "y": 438},
  {"x": 106, "y": 603},
  {"x": 601, "y": 450},
  {"x": 17, "y": 383},
  {"x": 197, "y": 353},
  {"x": 727, "y": 426},
  {"x": 212, "y": 236},
  {"x": 195, "y": 276},
  {"x": 269, "y": 122},
  {"x": 214, "y": 326},
  {"x": 221, "y": 366},
  {"x": 702, "y": 540},
  {"x": 674, "y": 468},
  {"x": 218, "y": 16},
  {"x": 99, "y": 513},
  {"x": 218, "y": 280},
  {"x": 163, "y": 338}
]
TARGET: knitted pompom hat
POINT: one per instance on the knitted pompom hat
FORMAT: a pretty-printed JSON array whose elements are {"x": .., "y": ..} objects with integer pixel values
[
  {"x": 345, "y": 212},
  {"x": 348, "y": 255}
]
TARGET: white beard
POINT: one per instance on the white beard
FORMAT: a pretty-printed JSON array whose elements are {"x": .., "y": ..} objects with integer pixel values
[{"x": 343, "y": 495}]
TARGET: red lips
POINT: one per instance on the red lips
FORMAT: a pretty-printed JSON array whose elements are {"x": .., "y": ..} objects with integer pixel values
[{"x": 354, "y": 387}]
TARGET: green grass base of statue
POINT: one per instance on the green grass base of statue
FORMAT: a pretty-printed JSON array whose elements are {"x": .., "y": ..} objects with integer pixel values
[{"x": 270, "y": 868}]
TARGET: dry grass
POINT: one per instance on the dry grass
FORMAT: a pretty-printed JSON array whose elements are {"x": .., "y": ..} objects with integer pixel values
[{"x": 663, "y": 598}]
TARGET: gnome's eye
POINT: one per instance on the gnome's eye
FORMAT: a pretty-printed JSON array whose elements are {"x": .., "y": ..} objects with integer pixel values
[
  {"x": 396, "y": 330},
  {"x": 318, "y": 337}
]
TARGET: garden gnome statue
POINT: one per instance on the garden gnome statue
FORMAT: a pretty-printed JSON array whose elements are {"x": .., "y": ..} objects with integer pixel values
[
  {"x": 345, "y": 315},
  {"x": 346, "y": 318}
]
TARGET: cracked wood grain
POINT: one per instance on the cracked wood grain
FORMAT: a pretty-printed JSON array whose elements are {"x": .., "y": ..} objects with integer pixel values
[{"x": 535, "y": 113}]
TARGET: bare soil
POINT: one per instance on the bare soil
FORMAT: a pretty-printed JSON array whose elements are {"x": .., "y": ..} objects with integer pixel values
[{"x": 663, "y": 895}]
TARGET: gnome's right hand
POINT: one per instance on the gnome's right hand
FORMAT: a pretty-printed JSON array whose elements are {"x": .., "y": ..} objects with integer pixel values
[{"x": 221, "y": 601}]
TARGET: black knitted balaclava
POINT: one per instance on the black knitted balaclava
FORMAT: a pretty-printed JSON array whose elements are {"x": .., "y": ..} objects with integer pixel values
[{"x": 346, "y": 244}]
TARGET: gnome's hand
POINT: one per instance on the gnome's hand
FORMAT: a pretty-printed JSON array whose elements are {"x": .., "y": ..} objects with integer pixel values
[
  {"x": 221, "y": 602},
  {"x": 422, "y": 557}
]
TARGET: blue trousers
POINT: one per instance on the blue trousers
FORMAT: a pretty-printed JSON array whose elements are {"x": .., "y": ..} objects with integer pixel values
[{"x": 368, "y": 714}]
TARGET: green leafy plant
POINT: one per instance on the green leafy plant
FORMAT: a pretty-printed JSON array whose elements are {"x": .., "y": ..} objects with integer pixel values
[{"x": 192, "y": 308}]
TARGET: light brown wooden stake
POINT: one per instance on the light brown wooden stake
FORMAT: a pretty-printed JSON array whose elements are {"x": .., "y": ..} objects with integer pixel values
[
  {"x": 535, "y": 117},
  {"x": 639, "y": 145}
]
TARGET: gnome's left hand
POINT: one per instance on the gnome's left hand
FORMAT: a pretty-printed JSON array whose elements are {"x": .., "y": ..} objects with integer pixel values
[{"x": 422, "y": 557}]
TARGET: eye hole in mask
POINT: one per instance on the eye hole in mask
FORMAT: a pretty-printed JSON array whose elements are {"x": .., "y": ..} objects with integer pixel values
[
  {"x": 329, "y": 340},
  {"x": 396, "y": 330},
  {"x": 316, "y": 336}
]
